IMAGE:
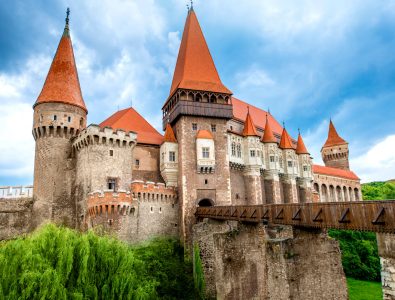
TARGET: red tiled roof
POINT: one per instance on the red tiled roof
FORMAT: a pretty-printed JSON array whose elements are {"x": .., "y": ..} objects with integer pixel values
[
  {"x": 259, "y": 115},
  {"x": 333, "y": 137},
  {"x": 249, "y": 127},
  {"x": 130, "y": 120},
  {"x": 317, "y": 169},
  {"x": 169, "y": 135},
  {"x": 286, "y": 142},
  {"x": 268, "y": 136},
  {"x": 204, "y": 134},
  {"x": 195, "y": 68},
  {"x": 62, "y": 83},
  {"x": 300, "y": 147}
]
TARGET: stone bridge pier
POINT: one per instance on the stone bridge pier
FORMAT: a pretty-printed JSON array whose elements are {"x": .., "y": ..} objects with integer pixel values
[
  {"x": 386, "y": 247},
  {"x": 256, "y": 261}
]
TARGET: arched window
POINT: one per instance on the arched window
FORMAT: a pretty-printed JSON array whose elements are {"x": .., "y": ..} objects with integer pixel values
[{"x": 233, "y": 149}]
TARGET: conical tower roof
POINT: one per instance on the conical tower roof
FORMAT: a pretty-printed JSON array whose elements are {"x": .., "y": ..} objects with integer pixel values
[
  {"x": 169, "y": 135},
  {"x": 300, "y": 146},
  {"x": 333, "y": 137},
  {"x": 62, "y": 84},
  {"x": 249, "y": 127},
  {"x": 268, "y": 136},
  {"x": 195, "y": 68},
  {"x": 285, "y": 142}
]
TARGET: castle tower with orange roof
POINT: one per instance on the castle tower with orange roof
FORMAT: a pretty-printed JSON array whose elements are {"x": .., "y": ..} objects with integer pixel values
[
  {"x": 335, "y": 150},
  {"x": 305, "y": 179},
  {"x": 198, "y": 108},
  {"x": 59, "y": 115}
]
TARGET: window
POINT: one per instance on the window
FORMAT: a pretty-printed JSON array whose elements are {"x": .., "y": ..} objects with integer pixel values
[
  {"x": 231, "y": 127},
  {"x": 238, "y": 147},
  {"x": 233, "y": 149},
  {"x": 111, "y": 152},
  {"x": 272, "y": 158},
  {"x": 289, "y": 164},
  {"x": 194, "y": 126},
  {"x": 111, "y": 184},
  {"x": 252, "y": 153},
  {"x": 41, "y": 118},
  {"x": 160, "y": 210},
  {"x": 305, "y": 168},
  {"x": 69, "y": 119},
  {"x": 213, "y": 127},
  {"x": 172, "y": 156},
  {"x": 206, "y": 152},
  {"x": 137, "y": 162},
  {"x": 55, "y": 117},
  {"x": 151, "y": 209},
  {"x": 205, "y": 181},
  {"x": 237, "y": 196},
  {"x": 281, "y": 162}
]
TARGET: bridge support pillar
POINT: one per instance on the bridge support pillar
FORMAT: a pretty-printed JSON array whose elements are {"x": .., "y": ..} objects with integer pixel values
[
  {"x": 386, "y": 247},
  {"x": 253, "y": 189},
  {"x": 255, "y": 261},
  {"x": 290, "y": 190},
  {"x": 272, "y": 188}
]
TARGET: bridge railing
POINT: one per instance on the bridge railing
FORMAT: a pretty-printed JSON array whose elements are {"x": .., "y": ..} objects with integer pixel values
[{"x": 376, "y": 216}]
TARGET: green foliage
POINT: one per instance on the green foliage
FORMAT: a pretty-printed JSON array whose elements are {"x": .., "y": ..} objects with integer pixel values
[
  {"x": 359, "y": 254},
  {"x": 364, "y": 290},
  {"x": 60, "y": 263},
  {"x": 378, "y": 190},
  {"x": 198, "y": 276}
]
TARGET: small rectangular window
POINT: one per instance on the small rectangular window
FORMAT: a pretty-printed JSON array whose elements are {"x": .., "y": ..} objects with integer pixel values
[
  {"x": 206, "y": 152},
  {"x": 305, "y": 168},
  {"x": 271, "y": 158},
  {"x": 111, "y": 152},
  {"x": 252, "y": 153},
  {"x": 213, "y": 127},
  {"x": 289, "y": 164},
  {"x": 69, "y": 119},
  {"x": 194, "y": 126},
  {"x": 55, "y": 117},
  {"x": 111, "y": 184},
  {"x": 137, "y": 162},
  {"x": 172, "y": 156}
]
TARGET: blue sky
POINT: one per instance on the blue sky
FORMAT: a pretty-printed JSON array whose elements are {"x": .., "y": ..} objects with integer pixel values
[{"x": 305, "y": 60}]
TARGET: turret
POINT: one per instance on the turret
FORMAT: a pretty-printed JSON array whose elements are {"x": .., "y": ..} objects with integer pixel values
[
  {"x": 305, "y": 172},
  {"x": 169, "y": 157},
  {"x": 335, "y": 150},
  {"x": 252, "y": 146},
  {"x": 59, "y": 115}
]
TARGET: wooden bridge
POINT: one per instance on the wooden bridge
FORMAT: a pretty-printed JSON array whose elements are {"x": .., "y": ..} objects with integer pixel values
[{"x": 375, "y": 216}]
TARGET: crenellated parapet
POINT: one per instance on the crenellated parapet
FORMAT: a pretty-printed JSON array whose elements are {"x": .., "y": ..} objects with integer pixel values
[
  {"x": 95, "y": 135},
  {"x": 154, "y": 192},
  {"x": 109, "y": 203}
]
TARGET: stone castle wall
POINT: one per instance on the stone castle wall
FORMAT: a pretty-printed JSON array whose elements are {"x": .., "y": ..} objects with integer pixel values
[
  {"x": 336, "y": 189},
  {"x": 386, "y": 247},
  {"x": 15, "y": 217},
  {"x": 148, "y": 163}
]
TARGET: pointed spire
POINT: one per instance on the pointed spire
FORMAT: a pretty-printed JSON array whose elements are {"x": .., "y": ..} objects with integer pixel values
[
  {"x": 333, "y": 137},
  {"x": 62, "y": 84},
  {"x": 268, "y": 136},
  {"x": 169, "y": 135},
  {"x": 249, "y": 127},
  {"x": 300, "y": 146},
  {"x": 285, "y": 142},
  {"x": 195, "y": 68}
]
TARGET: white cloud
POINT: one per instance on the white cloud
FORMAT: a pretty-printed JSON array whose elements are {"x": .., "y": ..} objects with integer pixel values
[{"x": 378, "y": 163}]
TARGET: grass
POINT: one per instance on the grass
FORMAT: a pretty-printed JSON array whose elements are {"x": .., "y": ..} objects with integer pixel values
[{"x": 364, "y": 290}]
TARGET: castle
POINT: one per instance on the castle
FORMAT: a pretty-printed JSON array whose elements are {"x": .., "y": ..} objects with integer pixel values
[{"x": 125, "y": 176}]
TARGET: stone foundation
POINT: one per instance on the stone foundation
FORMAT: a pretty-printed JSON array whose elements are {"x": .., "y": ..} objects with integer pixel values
[
  {"x": 386, "y": 247},
  {"x": 15, "y": 217},
  {"x": 254, "y": 261}
]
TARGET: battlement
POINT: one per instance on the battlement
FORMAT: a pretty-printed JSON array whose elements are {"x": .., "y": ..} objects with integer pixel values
[
  {"x": 95, "y": 135},
  {"x": 151, "y": 191},
  {"x": 16, "y": 192},
  {"x": 54, "y": 131},
  {"x": 109, "y": 202}
]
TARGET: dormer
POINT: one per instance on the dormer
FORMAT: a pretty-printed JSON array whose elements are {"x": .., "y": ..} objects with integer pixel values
[{"x": 169, "y": 157}]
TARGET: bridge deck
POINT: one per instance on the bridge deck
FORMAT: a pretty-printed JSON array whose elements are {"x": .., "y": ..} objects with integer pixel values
[{"x": 376, "y": 216}]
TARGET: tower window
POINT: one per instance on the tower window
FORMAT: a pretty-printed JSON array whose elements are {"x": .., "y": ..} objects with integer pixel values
[
  {"x": 237, "y": 196},
  {"x": 172, "y": 156},
  {"x": 160, "y": 210},
  {"x": 194, "y": 126},
  {"x": 55, "y": 117},
  {"x": 252, "y": 153},
  {"x": 111, "y": 184},
  {"x": 271, "y": 158},
  {"x": 205, "y": 181},
  {"x": 137, "y": 162},
  {"x": 233, "y": 149},
  {"x": 152, "y": 209},
  {"x": 111, "y": 152},
  {"x": 238, "y": 150},
  {"x": 213, "y": 127},
  {"x": 305, "y": 168},
  {"x": 289, "y": 164},
  {"x": 69, "y": 119},
  {"x": 206, "y": 152}
]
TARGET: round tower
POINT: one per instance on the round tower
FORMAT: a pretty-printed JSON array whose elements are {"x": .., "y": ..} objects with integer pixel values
[
  {"x": 59, "y": 115},
  {"x": 335, "y": 150}
]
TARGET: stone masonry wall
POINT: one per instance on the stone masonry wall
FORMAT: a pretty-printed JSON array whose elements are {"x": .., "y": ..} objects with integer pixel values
[
  {"x": 386, "y": 247},
  {"x": 242, "y": 261},
  {"x": 148, "y": 158},
  {"x": 15, "y": 217}
]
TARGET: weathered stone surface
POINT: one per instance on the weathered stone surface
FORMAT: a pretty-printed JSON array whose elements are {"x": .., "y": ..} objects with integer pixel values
[
  {"x": 386, "y": 247},
  {"x": 15, "y": 217},
  {"x": 243, "y": 261}
]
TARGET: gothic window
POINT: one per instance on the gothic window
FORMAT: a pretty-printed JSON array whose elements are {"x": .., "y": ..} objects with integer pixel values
[
  {"x": 252, "y": 153},
  {"x": 289, "y": 164},
  {"x": 213, "y": 127},
  {"x": 272, "y": 158},
  {"x": 172, "y": 156},
  {"x": 206, "y": 152},
  {"x": 194, "y": 126},
  {"x": 238, "y": 147},
  {"x": 233, "y": 149}
]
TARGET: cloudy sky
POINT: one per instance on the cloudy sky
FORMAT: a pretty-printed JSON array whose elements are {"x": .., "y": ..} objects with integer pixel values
[{"x": 305, "y": 60}]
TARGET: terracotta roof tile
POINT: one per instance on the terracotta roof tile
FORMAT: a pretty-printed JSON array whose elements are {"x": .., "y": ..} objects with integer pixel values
[
  {"x": 317, "y": 169},
  {"x": 169, "y": 135},
  {"x": 204, "y": 134},
  {"x": 268, "y": 136},
  {"x": 300, "y": 147},
  {"x": 195, "y": 68},
  {"x": 62, "y": 83},
  {"x": 333, "y": 137},
  {"x": 249, "y": 127},
  {"x": 286, "y": 142},
  {"x": 129, "y": 119}
]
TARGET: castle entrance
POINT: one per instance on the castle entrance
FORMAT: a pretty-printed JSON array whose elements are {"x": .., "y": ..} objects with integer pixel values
[{"x": 205, "y": 202}]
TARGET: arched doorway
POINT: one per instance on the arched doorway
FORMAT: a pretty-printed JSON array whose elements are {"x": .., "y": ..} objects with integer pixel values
[{"x": 205, "y": 202}]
